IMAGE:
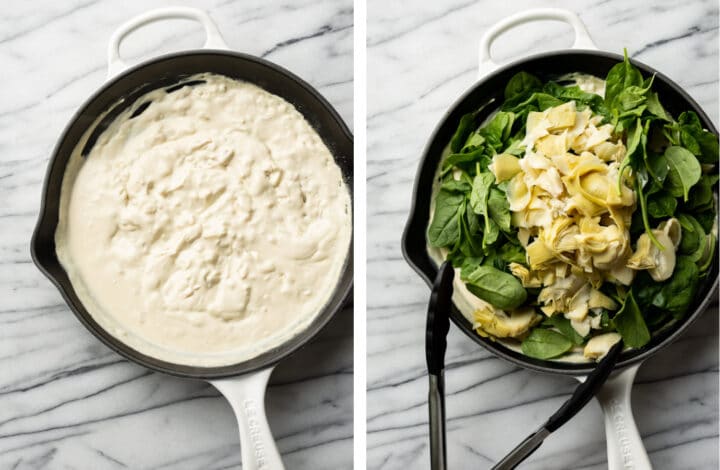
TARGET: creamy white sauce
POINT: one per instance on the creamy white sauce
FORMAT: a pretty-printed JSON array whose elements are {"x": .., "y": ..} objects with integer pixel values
[
  {"x": 463, "y": 299},
  {"x": 210, "y": 228}
]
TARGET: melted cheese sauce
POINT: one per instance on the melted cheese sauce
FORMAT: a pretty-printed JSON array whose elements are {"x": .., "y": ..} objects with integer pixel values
[{"x": 208, "y": 229}]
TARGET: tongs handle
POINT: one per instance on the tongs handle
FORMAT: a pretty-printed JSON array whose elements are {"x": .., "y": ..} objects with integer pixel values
[{"x": 436, "y": 400}]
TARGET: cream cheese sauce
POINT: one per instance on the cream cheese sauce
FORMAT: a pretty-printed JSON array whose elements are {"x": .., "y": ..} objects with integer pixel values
[{"x": 208, "y": 229}]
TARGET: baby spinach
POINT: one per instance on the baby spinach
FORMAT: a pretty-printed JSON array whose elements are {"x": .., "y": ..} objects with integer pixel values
[
  {"x": 455, "y": 186},
  {"x": 478, "y": 155},
  {"x": 445, "y": 227},
  {"x": 520, "y": 84},
  {"x": 480, "y": 192},
  {"x": 655, "y": 108},
  {"x": 512, "y": 252},
  {"x": 701, "y": 195},
  {"x": 498, "y": 288},
  {"x": 678, "y": 292},
  {"x": 704, "y": 143},
  {"x": 693, "y": 235},
  {"x": 684, "y": 170},
  {"x": 631, "y": 160},
  {"x": 464, "y": 129},
  {"x": 499, "y": 209},
  {"x": 564, "y": 326},
  {"x": 661, "y": 205},
  {"x": 497, "y": 131},
  {"x": 545, "y": 344},
  {"x": 707, "y": 219},
  {"x": 620, "y": 77},
  {"x": 630, "y": 323}
]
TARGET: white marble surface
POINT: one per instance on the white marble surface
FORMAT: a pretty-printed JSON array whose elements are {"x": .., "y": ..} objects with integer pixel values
[
  {"x": 421, "y": 57},
  {"x": 66, "y": 401}
]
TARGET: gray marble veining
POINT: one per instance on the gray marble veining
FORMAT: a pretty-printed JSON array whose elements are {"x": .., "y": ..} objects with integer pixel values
[
  {"x": 421, "y": 57},
  {"x": 66, "y": 401}
]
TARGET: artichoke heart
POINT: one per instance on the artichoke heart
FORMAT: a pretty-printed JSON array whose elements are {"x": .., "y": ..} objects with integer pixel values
[
  {"x": 660, "y": 263},
  {"x": 599, "y": 345},
  {"x": 500, "y": 324},
  {"x": 552, "y": 144},
  {"x": 539, "y": 254},
  {"x": 527, "y": 278},
  {"x": 561, "y": 117},
  {"x": 504, "y": 166},
  {"x": 564, "y": 199},
  {"x": 518, "y": 193}
]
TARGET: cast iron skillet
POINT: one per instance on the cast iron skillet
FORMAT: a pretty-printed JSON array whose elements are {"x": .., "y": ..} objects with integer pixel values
[
  {"x": 488, "y": 91},
  {"x": 168, "y": 71}
]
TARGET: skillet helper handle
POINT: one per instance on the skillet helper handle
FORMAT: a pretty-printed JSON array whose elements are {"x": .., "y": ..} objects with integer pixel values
[
  {"x": 213, "y": 39},
  {"x": 246, "y": 395},
  {"x": 486, "y": 65},
  {"x": 624, "y": 445}
]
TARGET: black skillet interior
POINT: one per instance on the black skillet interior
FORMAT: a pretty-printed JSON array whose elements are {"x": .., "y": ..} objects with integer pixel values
[
  {"x": 120, "y": 93},
  {"x": 488, "y": 92}
]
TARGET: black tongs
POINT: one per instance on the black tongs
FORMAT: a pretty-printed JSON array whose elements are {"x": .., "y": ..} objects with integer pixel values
[{"x": 438, "y": 324}]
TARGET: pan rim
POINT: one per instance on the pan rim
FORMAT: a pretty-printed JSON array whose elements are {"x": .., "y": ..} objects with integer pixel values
[
  {"x": 417, "y": 221},
  {"x": 338, "y": 299}
]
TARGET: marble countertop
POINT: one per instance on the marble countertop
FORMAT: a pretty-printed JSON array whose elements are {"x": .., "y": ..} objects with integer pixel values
[
  {"x": 67, "y": 401},
  {"x": 421, "y": 57}
]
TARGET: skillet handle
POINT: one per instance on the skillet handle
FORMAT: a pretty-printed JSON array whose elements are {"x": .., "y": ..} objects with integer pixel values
[
  {"x": 213, "y": 39},
  {"x": 246, "y": 395},
  {"x": 624, "y": 444},
  {"x": 582, "y": 38}
]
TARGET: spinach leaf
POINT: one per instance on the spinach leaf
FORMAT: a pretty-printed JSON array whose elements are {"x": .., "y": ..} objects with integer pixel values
[
  {"x": 711, "y": 242},
  {"x": 656, "y": 165},
  {"x": 445, "y": 227},
  {"x": 704, "y": 143},
  {"x": 707, "y": 219},
  {"x": 491, "y": 232},
  {"x": 693, "y": 235},
  {"x": 478, "y": 155},
  {"x": 574, "y": 93},
  {"x": 500, "y": 289},
  {"x": 655, "y": 108},
  {"x": 661, "y": 205},
  {"x": 470, "y": 243},
  {"x": 678, "y": 292},
  {"x": 630, "y": 99},
  {"x": 473, "y": 142},
  {"x": 684, "y": 170},
  {"x": 456, "y": 186},
  {"x": 545, "y": 344},
  {"x": 520, "y": 84},
  {"x": 465, "y": 128},
  {"x": 521, "y": 105},
  {"x": 620, "y": 77},
  {"x": 469, "y": 265},
  {"x": 545, "y": 101},
  {"x": 633, "y": 141},
  {"x": 639, "y": 183},
  {"x": 563, "y": 325},
  {"x": 512, "y": 253},
  {"x": 499, "y": 209},
  {"x": 630, "y": 323},
  {"x": 644, "y": 291},
  {"x": 480, "y": 192},
  {"x": 701, "y": 195},
  {"x": 497, "y": 131}
]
